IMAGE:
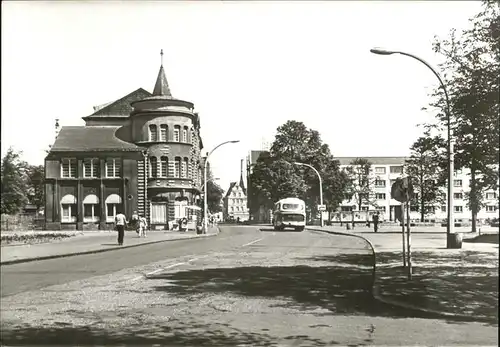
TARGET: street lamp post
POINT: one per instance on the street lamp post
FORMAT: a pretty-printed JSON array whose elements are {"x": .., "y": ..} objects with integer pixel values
[
  {"x": 205, "y": 204},
  {"x": 451, "y": 220},
  {"x": 320, "y": 188}
]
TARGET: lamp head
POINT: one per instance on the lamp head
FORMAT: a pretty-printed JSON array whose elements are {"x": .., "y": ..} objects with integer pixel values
[{"x": 381, "y": 51}]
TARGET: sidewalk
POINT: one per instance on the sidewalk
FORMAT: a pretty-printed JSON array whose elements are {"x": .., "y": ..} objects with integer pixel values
[
  {"x": 460, "y": 283},
  {"x": 91, "y": 242}
]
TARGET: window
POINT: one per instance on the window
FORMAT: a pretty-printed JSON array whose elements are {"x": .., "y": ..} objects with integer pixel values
[
  {"x": 163, "y": 167},
  {"x": 396, "y": 169},
  {"x": 91, "y": 168},
  {"x": 113, "y": 168},
  {"x": 177, "y": 168},
  {"x": 443, "y": 208},
  {"x": 457, "y": 183},
  {"x": 163, "y": 133},
  {"x": 364, "y": 208},
  {"x": 68, "y": 209},
  {"x": 491, "y": 208},
  {"x": 185, "y": 134},
  {"x": 184, "y": 168},
  {"x": 158, "y": 213},
  {"x": 90, "y": 213},
  {"x": 458, "y": 196},
  {"x": 381, "y": 208},
  {"x": 346, "y": 208},
  {"x": 153, "y": 133},
  {"x": 68, "y": 168},
  {"x": 91, "y": 208},
  {"x": 177, "y": 130},
  {"x": 68, "y": 213},
  {"x": 380, "y": 170},
  {"x": 491, "y": 196},
  {"x": 153, "y": 167},
  {"x": 459, "y": 209},
  {"x": 113, "y": 204},
  {"x": 380, "y": 196},
  {"x": 380, "y": 183}
]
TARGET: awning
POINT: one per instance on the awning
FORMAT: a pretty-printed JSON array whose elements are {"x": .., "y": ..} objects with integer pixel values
[
  {"x": 193, "y": 207},
  {"x": 91, "y": 199},
  {"x": 68, "y": 199},
  {"x": 114, "y": 199}
]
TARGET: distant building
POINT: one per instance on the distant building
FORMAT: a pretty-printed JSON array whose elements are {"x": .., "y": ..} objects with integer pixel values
[
  {"x": 140, "y": 152},
  {"x": 235, "y": 201},
  {"x": 385, "y": 170}
]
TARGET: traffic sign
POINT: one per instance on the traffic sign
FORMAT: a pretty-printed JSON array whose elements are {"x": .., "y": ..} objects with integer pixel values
[{"x": 321, "y": 207}]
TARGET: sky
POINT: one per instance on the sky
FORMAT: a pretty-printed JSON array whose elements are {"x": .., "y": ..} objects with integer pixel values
[{"x": 247, "y": 66}]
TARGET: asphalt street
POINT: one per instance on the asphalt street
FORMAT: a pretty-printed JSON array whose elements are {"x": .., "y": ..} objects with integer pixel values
[
  {"x": 250, "y": 286},
  {"x": 24, "y": 277}
]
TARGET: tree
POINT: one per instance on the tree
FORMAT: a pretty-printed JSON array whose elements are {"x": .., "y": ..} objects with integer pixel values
[
  {"x": 361, "y": 187},
  {"x": 35, "y": 181},
  {"x": 13, "y": 183},
  {"x": 275, "y": 176},
  {"x": 472, "y": 61},
  {"x": 215, "y": 192},
  {"x": 426, "y": 167}
]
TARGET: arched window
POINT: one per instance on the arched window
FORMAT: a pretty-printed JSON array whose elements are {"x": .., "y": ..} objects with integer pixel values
[
  {"x": 68, "y": 209},
  {"x": 91, "y": 211},
  {"x": 177, "y": 170},
  {"x": 113, "y": 204},
  {"x": 185, "y": 134},
  {"x": 153, "y": 133},
  {"x": 184, "y": 172},
  {"x": 177, "y": 131},
  {"x": 164, "y": 133},
  {"x": 164, "y": 166},
  {"x": 153, "y": 167}
]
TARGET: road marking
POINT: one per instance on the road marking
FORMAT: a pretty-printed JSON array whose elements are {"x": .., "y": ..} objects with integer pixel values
[
  {"x": 251, "y": 243},
  {"x": 167, "y": 267}
]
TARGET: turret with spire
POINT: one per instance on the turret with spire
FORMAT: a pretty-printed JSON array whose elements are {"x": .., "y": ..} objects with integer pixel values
[{"x": 161, "y": 85}]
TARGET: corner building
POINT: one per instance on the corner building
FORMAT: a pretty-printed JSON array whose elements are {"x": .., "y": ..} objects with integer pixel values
[{"x": 140, "y": 152}]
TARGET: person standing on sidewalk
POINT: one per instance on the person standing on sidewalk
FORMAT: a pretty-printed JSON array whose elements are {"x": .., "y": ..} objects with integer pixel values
[
  {"x": 143, "y": 224},
  {"x": 121, "y": 223},
  {"x": 375, "y": 221}
]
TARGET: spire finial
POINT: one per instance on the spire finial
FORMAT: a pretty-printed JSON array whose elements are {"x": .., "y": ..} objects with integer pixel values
[{"x": 161, "y": 53}]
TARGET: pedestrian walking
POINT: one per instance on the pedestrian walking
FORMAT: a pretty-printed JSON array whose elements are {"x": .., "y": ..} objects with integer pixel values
[
  {"x": 143, "y": 224},
  {"x": 375, "y": 221},
  {"x": 121, "y": 223}
]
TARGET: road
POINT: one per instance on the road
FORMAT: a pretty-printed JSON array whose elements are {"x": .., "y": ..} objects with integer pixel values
[{"x": 248, "y": 286}]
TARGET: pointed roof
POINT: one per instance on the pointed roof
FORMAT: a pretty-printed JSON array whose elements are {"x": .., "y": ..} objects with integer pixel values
[{"x": 161, "y": 85}]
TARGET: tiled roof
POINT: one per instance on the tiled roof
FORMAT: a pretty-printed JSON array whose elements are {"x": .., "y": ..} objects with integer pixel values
[
  {"x": 373, "y": 160},
  {"x": 120, "y": 107},
  {"x": 90, "y": 139}
]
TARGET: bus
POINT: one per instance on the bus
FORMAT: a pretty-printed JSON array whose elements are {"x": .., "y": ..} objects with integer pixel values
[{"x": 289, "y": 213}]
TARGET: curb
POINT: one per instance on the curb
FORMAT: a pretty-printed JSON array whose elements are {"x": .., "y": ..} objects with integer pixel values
[
  {"x": 377, "y": 296},
  {"x": 27, "y": 260}
]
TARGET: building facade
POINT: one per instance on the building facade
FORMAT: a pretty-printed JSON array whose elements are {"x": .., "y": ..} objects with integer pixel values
[
  {"x": 385, "y": 171},
  {"x": 138, "y": 153},
  {"x": 236, "y": 201}
]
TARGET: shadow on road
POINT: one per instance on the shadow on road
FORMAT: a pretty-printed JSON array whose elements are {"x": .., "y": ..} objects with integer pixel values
[{"x": 168, "y": 332}]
